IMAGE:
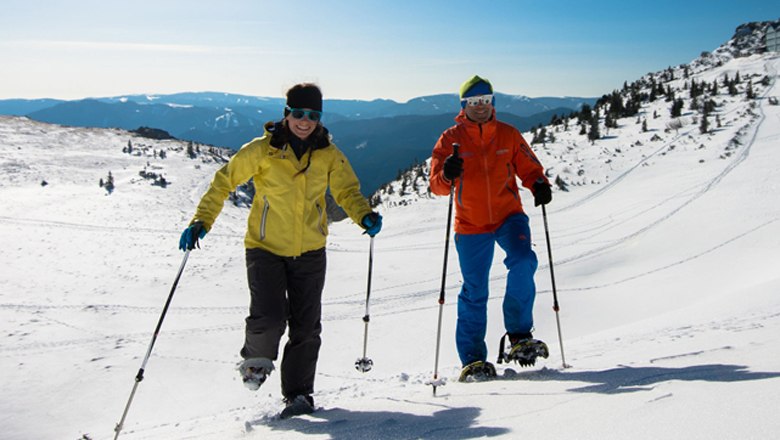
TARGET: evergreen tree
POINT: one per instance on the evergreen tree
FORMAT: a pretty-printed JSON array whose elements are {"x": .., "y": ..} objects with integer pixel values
[
  {"x": 704, "y": 127},
  {"x": 609, "y": 121},
  {"x": 644, "y": 125},
  {"x": 709, "y": 106},
  {"x": 585, "y": 113},
  {"x": 733, "y": 91},
  {"x": 749, "y": 94},
  {"x": 594, "y": 134},
  {"x": 669, "y": 94},
  {"x": 677, "y": 107},
  {"x": 109, "y": 184},
  {"x": 540, "y": 136}
]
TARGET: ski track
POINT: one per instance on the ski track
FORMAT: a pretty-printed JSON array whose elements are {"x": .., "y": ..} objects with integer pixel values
[
  {"x": 621, "y": 176},
  {"x": 118, "y": 339}
]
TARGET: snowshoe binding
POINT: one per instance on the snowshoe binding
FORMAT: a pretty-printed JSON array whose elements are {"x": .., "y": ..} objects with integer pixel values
[
  {"x": 297, "y": 406},
  {"x": 478, "y": 371},
  {"x": 254, "y": 371},
  {"x": 524, "y": 351}
]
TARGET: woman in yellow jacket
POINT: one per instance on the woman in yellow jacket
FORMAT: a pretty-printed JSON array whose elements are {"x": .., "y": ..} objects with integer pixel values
[{"x": 292, "y": 164}]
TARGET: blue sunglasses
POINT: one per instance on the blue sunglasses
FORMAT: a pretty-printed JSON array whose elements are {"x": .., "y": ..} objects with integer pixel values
[{"x": 299, "y": 113}]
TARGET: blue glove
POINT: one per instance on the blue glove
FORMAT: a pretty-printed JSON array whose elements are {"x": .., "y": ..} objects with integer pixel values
[
  {"x": 372, "y": 222},
  {"x": 191, "y": 235}
]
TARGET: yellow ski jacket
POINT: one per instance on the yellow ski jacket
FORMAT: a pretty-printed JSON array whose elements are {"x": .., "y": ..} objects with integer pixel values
[{"x": 288, "y": 215}]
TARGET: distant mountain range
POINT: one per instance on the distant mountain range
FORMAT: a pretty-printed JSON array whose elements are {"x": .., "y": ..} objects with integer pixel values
[{"x": 379, "y": 136}]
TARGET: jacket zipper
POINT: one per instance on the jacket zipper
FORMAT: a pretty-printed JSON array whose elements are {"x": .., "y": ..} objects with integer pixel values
[
  {"x": 266, "y": 207},
  {"x": 487, "y": 177}
]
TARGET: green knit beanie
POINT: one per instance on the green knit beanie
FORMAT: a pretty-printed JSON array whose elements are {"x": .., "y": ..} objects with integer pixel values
[{"x": 475, "y": 86}]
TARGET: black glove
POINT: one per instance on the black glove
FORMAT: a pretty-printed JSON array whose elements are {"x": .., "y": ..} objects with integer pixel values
[
  {"x": 453, "y": 167},
  {"x": 542, "y": 193}
]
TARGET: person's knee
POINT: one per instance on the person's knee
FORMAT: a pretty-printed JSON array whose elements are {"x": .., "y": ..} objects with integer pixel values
[
  {"x": 522, "y": 261},
  {"x": 305, "y": 332}
]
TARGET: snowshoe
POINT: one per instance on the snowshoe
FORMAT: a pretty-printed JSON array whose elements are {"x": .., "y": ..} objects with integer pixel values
[
  {"x": 525, "y": 352},
  {"x": 254, "y": 371},
  {"x": 478, "y": 371},
  {"x": 297, "y": 406}
]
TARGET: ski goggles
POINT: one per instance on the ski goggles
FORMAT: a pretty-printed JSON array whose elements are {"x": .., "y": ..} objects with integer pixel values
[
  {"x": 299, "y": 113},
  {"x": 473, "y": 101}
]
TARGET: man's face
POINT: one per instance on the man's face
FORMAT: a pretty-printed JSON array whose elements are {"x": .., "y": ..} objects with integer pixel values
[{"x": 479, "y": 108}]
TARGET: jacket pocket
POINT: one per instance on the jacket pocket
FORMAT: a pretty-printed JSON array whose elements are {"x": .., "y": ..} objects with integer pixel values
[
  {"x": 321, "y": 213},
  {"x": 264, "y": 218}
]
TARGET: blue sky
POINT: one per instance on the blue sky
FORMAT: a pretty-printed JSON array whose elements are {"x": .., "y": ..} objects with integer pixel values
[{"x": 359, "y": 49}]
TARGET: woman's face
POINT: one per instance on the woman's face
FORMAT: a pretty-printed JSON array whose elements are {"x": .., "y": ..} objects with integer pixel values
[{"x": 302, "y": 127}]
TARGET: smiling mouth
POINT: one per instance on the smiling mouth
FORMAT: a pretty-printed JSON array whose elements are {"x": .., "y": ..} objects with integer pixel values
[{"x": 305, "y": 127}]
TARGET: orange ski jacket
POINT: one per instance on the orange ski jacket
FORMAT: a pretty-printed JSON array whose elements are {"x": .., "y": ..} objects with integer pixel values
[{"x": 494, "y": 154}]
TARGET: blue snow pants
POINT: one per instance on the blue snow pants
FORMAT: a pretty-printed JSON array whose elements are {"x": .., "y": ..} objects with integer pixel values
[{"x": 475, "y": 254}]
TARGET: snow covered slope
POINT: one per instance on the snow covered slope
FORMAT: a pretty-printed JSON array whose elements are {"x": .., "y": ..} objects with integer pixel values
[{"x": 666, "y": 254}]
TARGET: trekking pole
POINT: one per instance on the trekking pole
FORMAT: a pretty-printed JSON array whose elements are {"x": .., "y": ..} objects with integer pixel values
[
  {"x": 556, "y": 308},
  {"x": 140, "y": 376},
  {"x": 364, "y": 364},
  {"x": 436, "y": 381}
]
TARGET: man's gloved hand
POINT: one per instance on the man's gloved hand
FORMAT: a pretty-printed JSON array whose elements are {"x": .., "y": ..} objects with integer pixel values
[
  {"x": 372, "y": 222},
  {"x": 542, "y": 193},
  {"x": 453, "y": 167},
  {"x": 191, "y": 235}
]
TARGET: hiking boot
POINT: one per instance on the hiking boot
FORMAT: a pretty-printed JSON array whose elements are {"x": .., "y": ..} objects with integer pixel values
[
  {"x": 254, "y": 371},
  {"x": 296, "y": 406},
  {"x": 477, "y": 372}
]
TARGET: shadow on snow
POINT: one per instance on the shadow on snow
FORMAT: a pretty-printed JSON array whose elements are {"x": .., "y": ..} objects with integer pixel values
[
  {"x": 459, "y": 423},
  {"x": 626, "y": 379},
  {"x": 338, "y": 423}
]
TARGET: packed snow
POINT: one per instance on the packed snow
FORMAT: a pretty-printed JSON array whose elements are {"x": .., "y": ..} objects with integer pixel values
[{"x": 666, "y": 254}]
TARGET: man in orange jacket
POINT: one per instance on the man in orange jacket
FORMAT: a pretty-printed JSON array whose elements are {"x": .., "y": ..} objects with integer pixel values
[{"x": 483, "y": 174}]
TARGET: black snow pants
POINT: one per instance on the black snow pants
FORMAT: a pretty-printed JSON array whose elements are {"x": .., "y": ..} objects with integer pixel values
[{"x": 286, "y": 290}]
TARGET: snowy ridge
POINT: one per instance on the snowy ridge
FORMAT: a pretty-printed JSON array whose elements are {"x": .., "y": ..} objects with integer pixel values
[
  {"x": 572, "y": 159},
  {"x": 665, "y": 250}
]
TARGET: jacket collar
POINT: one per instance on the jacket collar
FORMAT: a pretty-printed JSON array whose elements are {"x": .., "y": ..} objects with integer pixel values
[{"x": 485, "y": 130}]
